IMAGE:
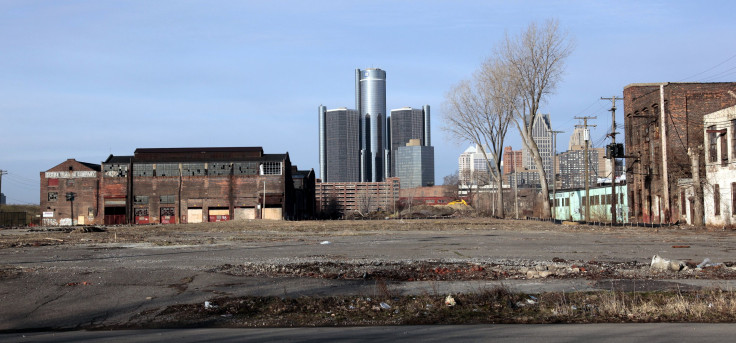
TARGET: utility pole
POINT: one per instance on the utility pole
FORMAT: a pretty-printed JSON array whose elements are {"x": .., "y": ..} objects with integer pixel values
[
  {"x": 2, "y": 172},
  {"x": 586, "y": 135},
  {"x": 554, "y": 171},
  {"x": 665, "y": 172},
  {"x": 614, "y": 153},
  {"x": 516, "y": 195}
]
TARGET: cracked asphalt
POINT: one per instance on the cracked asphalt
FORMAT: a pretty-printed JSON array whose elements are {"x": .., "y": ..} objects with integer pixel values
[{"x": 70, "y": 282}]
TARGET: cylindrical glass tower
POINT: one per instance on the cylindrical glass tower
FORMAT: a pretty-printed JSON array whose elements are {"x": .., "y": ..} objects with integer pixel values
[{"x": 373, "y": 111}]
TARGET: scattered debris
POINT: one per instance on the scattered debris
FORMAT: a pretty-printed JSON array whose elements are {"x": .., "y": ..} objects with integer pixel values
[
  {"x": 663, "y": 264},
  {"x": 708, "y": 264},
  {"x": 325, "y": 242},
  {"x": 208, "y": 305},
  {"x": 83, "y": 283},
  {"x": 385, "y": 306},
  {"x": 88, "y": 229},
  {"x": 680, "y": 246},
  {"x": 450, "y": 301},
  {"x": 54, "y": 239}
]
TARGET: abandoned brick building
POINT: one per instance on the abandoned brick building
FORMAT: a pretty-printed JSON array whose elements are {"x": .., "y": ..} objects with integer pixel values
[
  {"x": 178, "y": 185},
  {"x": 663, "y": 123}
]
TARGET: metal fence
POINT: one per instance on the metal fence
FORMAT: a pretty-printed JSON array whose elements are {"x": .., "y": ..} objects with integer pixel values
[{"x": 9, "y": 219}]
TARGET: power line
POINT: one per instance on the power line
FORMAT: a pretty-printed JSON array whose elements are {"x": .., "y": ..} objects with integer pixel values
[{"x": 709, "y": 69}]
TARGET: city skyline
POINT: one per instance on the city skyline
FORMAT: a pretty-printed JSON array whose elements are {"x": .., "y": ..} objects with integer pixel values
[
  {"x": 88, "y": 79},
  {"x": 378, "y": 135}
]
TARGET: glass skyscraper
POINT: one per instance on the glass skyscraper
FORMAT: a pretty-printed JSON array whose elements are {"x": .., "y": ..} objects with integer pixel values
[
  {"x": 356, "y": 145},
  {"x": 371, "y": 103}
]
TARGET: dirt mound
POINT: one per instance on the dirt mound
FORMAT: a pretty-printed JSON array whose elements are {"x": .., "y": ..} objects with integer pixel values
[
  {"x": 424, "y": 211},
  {"x": 460, "y": 207}
]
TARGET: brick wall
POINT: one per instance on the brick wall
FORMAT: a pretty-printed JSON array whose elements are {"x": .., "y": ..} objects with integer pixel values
[{"x": 685, "y": 104}]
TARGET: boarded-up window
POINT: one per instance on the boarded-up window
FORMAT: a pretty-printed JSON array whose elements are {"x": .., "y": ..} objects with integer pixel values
[
  {"x": 716, "y": 200},
  {"x": 682, "y": 203},
  {"x": 53, "y": 182},
  {"x": 733, "y": 139},
  {"x": 733, "y": 198}
]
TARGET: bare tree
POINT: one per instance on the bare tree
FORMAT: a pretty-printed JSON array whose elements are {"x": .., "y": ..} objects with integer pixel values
[
  {"x": 450, "y": 183},
  {"x": 365, "y": 202},
  {"x": 479, "y": 111},
  {"x": 536, "y": 61}
]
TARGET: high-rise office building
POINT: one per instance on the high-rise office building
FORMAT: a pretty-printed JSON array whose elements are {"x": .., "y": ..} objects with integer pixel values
[
  {"x": 406, "y": 124},
  {"x": 542, "y": 135},
  {"x": 339, "y": 145},
  {"x": 370, "y": 91},
  {"x": 472, "y": 167},
  {"x": 377, "y": 141},
  {"x": 415, "y": 164}
]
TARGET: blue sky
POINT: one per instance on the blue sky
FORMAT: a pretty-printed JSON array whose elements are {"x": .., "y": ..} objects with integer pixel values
[{"x": 85, "y": 79}]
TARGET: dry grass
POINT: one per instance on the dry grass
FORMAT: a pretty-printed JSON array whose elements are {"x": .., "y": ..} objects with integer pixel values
[{"x": 497, "y": 305}]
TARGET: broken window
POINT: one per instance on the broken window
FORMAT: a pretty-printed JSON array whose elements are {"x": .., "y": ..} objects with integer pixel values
[
  {"x": 220, "y": 168},
  {"x": 53, "y": 196},
  {"x": 193, "y": 169},
  {"x": 245, "y": 168},
  {"x": 271, "y": 168},
  {"x": 724, "y": 148},
  {"x": 141, "y": 212},
  {"x": 143, "y": 169},
  {"x": 115, "y": 170},
  {"x": 167, "y": 169},
  {"x": 140, "y": 199},
  {"x": 712, "y": 144},
  {"x": 716, "y": 200}
]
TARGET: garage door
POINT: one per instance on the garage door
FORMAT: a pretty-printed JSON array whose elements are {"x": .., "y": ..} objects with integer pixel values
[
  {"x": 194, "y": 215},
  {"x": 272, "y": 213},
  {"x": 245, "y": 213},
  {"x": 218, "y": 215}
]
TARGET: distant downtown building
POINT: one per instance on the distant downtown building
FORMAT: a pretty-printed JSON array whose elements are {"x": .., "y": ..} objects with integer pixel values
[
  {"x": 339, "y": 128},
  {"x": 414, "y": 165},
  {"x": 542, "y": 135},
  {"x": 408, "y": 123},
  {"x": 472, "y": 167},
  {"x": 368, "y": 125}
]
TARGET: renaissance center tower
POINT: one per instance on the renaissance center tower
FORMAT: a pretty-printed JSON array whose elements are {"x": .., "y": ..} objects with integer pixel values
[
  {"x": 362, "y": 144},
  {"x": 370, "y": 101}
]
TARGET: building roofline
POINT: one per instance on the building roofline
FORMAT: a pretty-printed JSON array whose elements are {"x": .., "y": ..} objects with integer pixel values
[
  {"x": 203, "y": 149},
  {"x": 653, "y": 84}
]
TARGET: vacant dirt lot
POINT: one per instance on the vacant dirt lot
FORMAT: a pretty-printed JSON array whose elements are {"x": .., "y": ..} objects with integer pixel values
[{"x": 89, "y": 277}]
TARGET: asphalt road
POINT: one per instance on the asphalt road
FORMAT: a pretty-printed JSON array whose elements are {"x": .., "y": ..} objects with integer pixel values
[
  {"x": 602, "y": 333},
  {"x": 77, "y": 286}
]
